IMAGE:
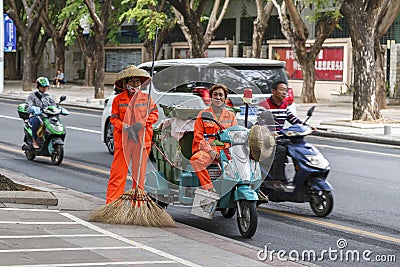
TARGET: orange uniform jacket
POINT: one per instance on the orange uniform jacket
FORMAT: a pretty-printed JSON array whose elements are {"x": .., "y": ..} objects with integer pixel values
[
  {"x": 129, "y": 109},
  {"x": 201, "y": 147}
]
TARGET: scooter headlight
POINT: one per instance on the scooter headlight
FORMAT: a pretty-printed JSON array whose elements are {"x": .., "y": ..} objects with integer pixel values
[
  {"x": 238, "y": 137},
  {"x": 317, "y": 161}
]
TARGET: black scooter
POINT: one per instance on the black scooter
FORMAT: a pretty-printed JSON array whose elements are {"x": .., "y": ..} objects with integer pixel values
[{"x": 311, "y": 171}]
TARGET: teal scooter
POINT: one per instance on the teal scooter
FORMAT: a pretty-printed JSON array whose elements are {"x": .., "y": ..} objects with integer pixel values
[{"x": 236, "y": 177}]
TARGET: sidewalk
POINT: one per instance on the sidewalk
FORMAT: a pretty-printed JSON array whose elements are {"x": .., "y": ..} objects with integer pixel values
[{"x": 44, "y": 235}]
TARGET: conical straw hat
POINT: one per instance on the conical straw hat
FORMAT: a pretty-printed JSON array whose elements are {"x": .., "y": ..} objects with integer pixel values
[
  {"x": 131, "y": 71},
  {"x": 261, "y": 142}
]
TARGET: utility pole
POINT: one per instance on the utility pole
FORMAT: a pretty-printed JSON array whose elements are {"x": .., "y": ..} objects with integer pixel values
[{"x": 1, "y": 47}]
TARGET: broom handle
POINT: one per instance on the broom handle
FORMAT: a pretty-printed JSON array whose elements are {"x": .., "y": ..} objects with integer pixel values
[
  {"x": 163, "y": 154},
  {"x": 142, "y": 145}
]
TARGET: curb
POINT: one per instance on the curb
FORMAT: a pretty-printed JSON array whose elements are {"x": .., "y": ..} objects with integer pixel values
[
  {"x": 64, "y": 104},
  {"x": 29, "y": 197},
  {"x": 354, "y": 137}
]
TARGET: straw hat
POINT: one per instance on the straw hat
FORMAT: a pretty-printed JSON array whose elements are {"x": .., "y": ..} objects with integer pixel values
[
  {"x": 131, "y": 71},
  {"x": 261, "y": 142}
]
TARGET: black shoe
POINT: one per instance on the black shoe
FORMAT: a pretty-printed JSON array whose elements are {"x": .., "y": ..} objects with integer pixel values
[{"x": 281, "y": 186}]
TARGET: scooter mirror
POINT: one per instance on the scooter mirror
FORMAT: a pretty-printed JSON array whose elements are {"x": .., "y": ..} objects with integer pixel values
[
  {"x": 310, "y": 111},
  {"x": 265, "y": 115},
  {"x": 207, "y": 116},
  {"x": 62, "y": 98}
]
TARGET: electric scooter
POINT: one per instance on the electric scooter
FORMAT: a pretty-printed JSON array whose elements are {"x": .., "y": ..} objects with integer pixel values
[
  {"x": 311, "y": 171},
  {"x": 51, "y": 141}
]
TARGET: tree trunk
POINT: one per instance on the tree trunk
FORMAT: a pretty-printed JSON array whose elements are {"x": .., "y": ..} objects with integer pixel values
[
  {"x": 11, "y": 70},
  {"x": 196, "y": 47},
  {"x": 365, "y": 107},
  {"x": 307, "y": 91},
  {"x": 99, "y": 68},
  {"x": 362, "y": 31},
  {"x": 27, "y": 72},
  {"x": 381, "y": 82},
  {"x": 59, "y": 50},
  {"x": 260, "y": 24},
  {"x": 89, "y": 71}
]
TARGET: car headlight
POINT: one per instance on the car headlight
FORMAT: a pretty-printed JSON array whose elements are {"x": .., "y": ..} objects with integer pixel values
[
  {"x": 317, "y": 161},
  {"x": 238, "y": 137}
]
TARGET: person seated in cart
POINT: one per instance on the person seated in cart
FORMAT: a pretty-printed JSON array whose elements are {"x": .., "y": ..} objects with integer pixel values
[{"x": 206, "y": 150}]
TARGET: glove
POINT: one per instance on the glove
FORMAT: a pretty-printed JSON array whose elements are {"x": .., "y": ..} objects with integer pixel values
[
  {"x": 137, "y": 126},
  {"x": 133, "y": 131}
]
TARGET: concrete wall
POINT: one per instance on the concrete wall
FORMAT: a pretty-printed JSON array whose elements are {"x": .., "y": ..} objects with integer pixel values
[{"x": 394, "y": 78}]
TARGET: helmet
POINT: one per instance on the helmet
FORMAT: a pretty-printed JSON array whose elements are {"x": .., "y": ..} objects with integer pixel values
[{"x": 42, "y": 81}]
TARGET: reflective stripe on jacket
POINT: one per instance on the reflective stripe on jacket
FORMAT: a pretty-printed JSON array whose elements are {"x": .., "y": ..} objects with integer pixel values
[
  {"x": 139, "y": 105},
  {"x": 226, "y": 119}
]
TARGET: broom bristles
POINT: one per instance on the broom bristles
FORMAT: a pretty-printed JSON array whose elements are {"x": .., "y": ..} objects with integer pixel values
[{"x": 134, "y": 207}]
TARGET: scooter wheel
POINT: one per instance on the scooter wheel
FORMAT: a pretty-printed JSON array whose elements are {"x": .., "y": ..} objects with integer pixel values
[
  {"x": 30, "y": 154},
  {"x": 228, "y": 213},
  {"x": 322, "y": 203},
  {"x": 247, "y": 218},
  {"x": 57, "y": 155}
]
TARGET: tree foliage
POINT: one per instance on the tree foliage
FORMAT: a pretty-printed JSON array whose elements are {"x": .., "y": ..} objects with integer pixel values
[
  {"x": 150, "y": 15},
  {"x": 191, "y": 15}
]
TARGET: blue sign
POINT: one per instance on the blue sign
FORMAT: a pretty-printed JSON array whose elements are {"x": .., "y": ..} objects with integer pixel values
[{"x": 10, "y": 35}]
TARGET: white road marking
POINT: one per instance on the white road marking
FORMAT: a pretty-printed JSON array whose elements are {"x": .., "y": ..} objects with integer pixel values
[
  {"x": 358, "y": 150},
  {"x": 11, "y": 118},
  {"x": 68, "y": 127},
  {"x": 61, "y": 249},
  {"x": 48, "y": 236},
  {"x": 83, "y": 130},
  {"x": 93, "y": 264},
  {"x": 49, "y": 223},
  {"x": 128, "y": 241},
  {"x": 35, "y": 210}
]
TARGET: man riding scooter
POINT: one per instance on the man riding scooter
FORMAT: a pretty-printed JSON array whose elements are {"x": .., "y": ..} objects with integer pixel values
[
  {"x": 279, "y": 109},
  {"x": 36, "y": 101}
]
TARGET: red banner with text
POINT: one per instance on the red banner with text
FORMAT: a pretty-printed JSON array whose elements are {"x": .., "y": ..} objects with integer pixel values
[{"x": 328, "y": 64}]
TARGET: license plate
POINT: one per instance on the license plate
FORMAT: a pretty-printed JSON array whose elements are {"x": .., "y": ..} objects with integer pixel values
[{"x": 252, "y": 110}]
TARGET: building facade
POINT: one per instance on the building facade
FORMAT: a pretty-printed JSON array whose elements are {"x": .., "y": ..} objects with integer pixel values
[{"x": 234, "y": 38}]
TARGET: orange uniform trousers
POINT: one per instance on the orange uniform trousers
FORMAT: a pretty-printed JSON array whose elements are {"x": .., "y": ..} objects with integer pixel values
[
  {"x": 119, "y": 170},
  {"x": 200, "y": 161}
]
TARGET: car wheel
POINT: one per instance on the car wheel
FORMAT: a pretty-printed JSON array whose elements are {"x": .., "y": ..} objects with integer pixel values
[{"x": 109, "y": 137}]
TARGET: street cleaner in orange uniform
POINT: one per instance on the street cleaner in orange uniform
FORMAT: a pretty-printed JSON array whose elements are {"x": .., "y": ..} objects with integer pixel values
[
  {"x": 129, "y": 117},
  {"x": 205, "y": 151}
]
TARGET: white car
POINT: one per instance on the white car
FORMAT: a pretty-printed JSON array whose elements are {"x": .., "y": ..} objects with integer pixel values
[{"x": 186, "y": 82}]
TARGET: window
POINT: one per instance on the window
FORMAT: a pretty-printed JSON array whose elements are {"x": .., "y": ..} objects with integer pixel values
[
  {"x": 118, "y": 59},
  {"x": 77, "y": 57}
]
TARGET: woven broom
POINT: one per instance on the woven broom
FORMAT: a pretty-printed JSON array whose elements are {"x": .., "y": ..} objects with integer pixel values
[{"x": 135, "y": 206}]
